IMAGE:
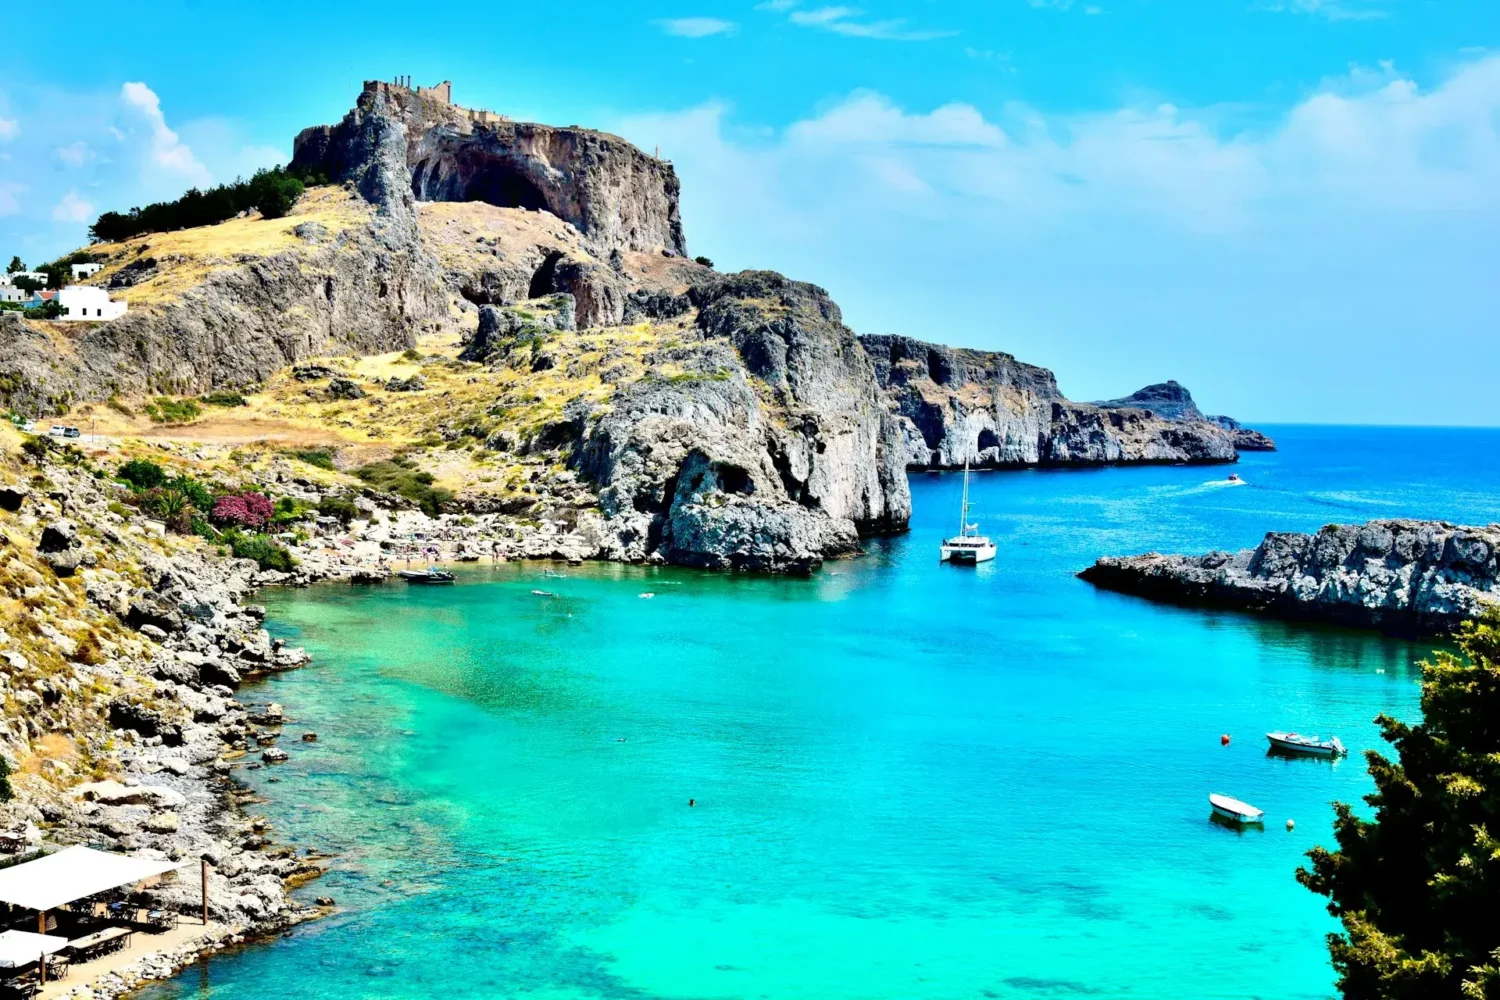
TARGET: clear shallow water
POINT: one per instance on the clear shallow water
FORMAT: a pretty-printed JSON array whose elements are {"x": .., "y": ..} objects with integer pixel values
[{"x": 911, "y": 780}]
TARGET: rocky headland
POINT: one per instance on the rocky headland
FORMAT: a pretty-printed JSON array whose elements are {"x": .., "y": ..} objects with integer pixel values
[
  {"x": 1170, "y": 400},
  {"x": 956, "y": 403},
  {"x": 1404, "y": 577}
]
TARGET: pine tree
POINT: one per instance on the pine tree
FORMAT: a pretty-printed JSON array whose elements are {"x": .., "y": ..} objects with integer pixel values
[
  {"x": 1418, "y": 887},
  {"x": 15, "y": 265}
]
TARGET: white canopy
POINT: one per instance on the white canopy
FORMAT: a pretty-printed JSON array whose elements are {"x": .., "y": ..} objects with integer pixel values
[
  {"x": 73, "y": 873},
  {"x": 19, "y": 948}
]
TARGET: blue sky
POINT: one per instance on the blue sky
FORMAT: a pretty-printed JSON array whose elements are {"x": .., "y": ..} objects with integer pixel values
[{"x": 1291, "y": 206}]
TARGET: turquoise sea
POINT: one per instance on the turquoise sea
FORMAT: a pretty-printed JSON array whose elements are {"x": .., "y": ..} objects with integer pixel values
[{"x": 910, "y": 780}]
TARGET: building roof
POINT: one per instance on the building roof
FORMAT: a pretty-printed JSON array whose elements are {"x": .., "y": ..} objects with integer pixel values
[
  {"x": 73, "y": 873},
  {"x": 18, "y": 948}
]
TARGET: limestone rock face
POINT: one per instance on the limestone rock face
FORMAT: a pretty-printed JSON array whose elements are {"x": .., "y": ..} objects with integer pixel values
[
  {"x": 371, "y": 291},
  {"x": 1410, "y": 577},
  {"x": 771, "y": 451},
  {"x": 1171, "y": 400},
  {"x": 951, "y": 403},
  {"x": 611, "y": 191}
]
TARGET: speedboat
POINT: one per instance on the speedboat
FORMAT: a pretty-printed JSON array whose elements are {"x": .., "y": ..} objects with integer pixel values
[
  {"x": 968, "y": 547},
  {"x": 1297, "y": 743},
  {"x": 1234, "y": 810},
  {"x": 429, "y": 575},
  {"x": 1234, "y": 477}
]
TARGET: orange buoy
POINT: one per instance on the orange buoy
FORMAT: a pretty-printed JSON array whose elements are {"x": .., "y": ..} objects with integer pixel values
[{"x": 1224, "y": 740}]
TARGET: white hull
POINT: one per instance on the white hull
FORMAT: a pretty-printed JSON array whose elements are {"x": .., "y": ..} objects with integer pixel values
[
  {"x": 1291, "y": 743},
  {"x": 968, "y": 554},
  {"x": 1235, "y": 810}
]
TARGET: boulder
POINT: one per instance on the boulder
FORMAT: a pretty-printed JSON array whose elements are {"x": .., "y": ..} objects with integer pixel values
[
  {"x": 343, "y": 388},
  {"x": 274, "y": 755},
  {"x": 13, "y": 496}
]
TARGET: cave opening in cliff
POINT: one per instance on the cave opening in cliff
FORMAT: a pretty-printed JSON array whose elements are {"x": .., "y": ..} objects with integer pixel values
[
  {"x": 544, "y": 278},
  {"x": 476, "y": 178},
  {"x": 987, "y": 440}
]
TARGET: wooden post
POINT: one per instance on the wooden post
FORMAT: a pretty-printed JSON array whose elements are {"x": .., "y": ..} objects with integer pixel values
[
  {"x": 204, "y": 863},
  {"x": 41, "y": 921}
]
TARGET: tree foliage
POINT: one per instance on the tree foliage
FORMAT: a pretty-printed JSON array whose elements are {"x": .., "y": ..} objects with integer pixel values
[
  {"x": 1417, "y": 888},
  {"x": 15, "y": 265},
  {"x": 271, "y": 192},
  {"x": 243, "y": 510}
]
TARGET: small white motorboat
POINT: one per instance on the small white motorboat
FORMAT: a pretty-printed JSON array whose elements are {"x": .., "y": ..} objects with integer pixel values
[
  {"x": 1313, "y": 745},
  {"x": 1234, "y": 810}
]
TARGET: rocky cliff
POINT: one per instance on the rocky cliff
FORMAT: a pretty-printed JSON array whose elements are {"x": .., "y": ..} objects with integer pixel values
[
  {"x": 951, "y": 403},
  {"x": 1399, "y": 576},
  {"x": 612, "y": 192},
  {"x": 1171, "y": 400},
  {"x": 225, "y": 306}
]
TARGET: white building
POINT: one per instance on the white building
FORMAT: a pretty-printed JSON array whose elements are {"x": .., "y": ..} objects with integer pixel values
[
  {"x": 81, "y": 271},
  {"x": 10, "y": 293},
  {"x": 40, "y": 277},
  {"x": 85, "y": 302}
]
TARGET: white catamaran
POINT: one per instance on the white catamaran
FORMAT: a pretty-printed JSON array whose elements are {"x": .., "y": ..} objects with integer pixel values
[{"x": 968, "y": 547}]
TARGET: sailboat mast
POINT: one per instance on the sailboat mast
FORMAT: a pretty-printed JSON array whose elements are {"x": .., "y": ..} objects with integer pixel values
[{"x": 963, "y": 513}]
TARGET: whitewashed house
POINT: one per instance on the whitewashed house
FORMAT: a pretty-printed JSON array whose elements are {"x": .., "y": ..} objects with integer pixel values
[
  {"x": 81, "y": 271},
  {"x": 85, "y": 302},
  {"x": 10, "y": 293},
  {"x": 40, "y": 277}
]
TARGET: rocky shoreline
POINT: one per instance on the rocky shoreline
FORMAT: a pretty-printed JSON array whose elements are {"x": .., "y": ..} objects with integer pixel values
[
  {"x": 123, "y": 728},
  {"x": 1399, "y": 576}
]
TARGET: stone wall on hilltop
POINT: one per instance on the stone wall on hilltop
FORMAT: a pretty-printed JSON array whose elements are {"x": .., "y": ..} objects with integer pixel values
[{"x": 614, "y": 193}]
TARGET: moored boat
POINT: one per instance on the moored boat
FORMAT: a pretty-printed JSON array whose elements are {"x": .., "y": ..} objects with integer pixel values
[
  {"x": 968, "y": 547},
  {"x": 1234, "y": 810},
  {"x": 1311, "y": 745},
  {"x": 429, "y": 575}
]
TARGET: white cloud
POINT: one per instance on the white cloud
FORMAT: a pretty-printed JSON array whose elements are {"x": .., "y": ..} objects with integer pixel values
[
  {"x": 1123, "y": 244},
  {"x": 846, "y": 21},
  {"x": 777, "y": 5},
  {"x": 696, "y": 27},
  {"x": 871, "y": 118},
  {"x": 9, "y": 129},
  {"x": 73, "y": 209},
  {"x": 167, "y": 151},
  {"x": 75, "y": 154},
  {"x": 1332, "y": 10}
]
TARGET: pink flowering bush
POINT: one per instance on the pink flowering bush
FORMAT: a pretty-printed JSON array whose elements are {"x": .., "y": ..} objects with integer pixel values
[{"x": 243, "y": 510}]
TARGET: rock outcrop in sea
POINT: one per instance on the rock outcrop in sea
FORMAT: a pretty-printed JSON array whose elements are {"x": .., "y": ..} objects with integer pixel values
[
  {"x": 1405, "y": 577},
  {"x": 952, "y": 403},
  {"x": 1171, "y": 400}
]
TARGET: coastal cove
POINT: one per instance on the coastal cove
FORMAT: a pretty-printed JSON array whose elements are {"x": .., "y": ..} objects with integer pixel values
[{"x": 910, "y": 779}]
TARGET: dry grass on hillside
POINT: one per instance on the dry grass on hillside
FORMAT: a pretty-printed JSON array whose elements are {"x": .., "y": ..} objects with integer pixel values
[
  {"x": 189, "y": 256},
  {"x": 446, "y": 424}
]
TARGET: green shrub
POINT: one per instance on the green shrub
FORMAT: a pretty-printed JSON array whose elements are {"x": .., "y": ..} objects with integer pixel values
[
  {"x": 288, "y": 510},
  {"x": 114, "y": 403},
  {"x": 273, "y": 192},
  {"x": 142, "y": 473},
  {"x": 704, "y": 261},
  {"x": 224, "y": 399},
  {"x": 341, "y": 507},
  {"x": 51, "y": 309},
  {"x": 6, "y": 792},
  {"x": 411, "y": 354},
  {"x": 265, "y": 550},
  {"x": 322, "y": 458},
  {"x": 198, "y": 495},
  {"x": 402, "y": 477},
  {"x": 173, "y": 411}
]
